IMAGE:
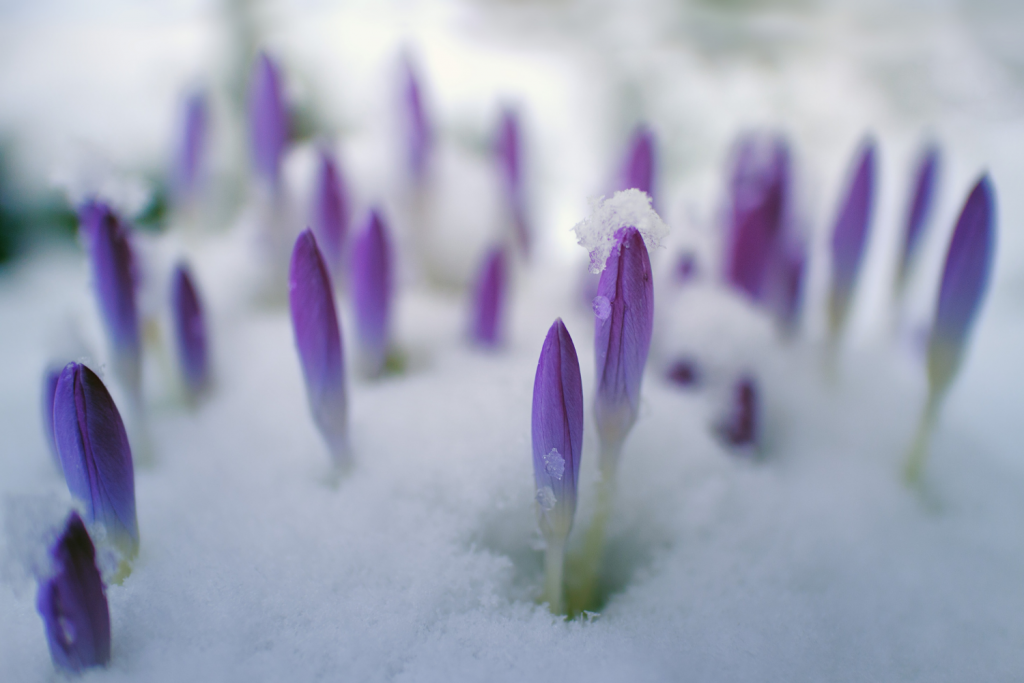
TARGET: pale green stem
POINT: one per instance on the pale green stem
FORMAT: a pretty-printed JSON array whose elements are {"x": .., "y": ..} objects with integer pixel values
[
  {"x": 588, "y": 564},
  {"x": 919, "y": 449},
  {"x": 554, "y": 561}
]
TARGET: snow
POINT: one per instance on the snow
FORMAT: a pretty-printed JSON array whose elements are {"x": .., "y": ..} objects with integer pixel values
[{"x": 626, "y": 208}]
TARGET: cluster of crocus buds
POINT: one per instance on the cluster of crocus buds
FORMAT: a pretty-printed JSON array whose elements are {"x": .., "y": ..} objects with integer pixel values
[
  {"x": 372, "y": 293},
  {"x": 189, "y": 332}
]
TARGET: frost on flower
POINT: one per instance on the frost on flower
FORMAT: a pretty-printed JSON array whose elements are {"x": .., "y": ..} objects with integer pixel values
[
  {"x": 554, "y": 463},
  {"x": 596, "y": 233},
  {"x": 546, "y": 498}
]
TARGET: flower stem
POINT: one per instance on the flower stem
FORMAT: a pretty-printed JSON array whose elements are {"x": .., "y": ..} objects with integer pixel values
[
  {"x": 587, "y": 565},
  {"x": 554, "y": 561},
  {"x": 919, "y": 449}
]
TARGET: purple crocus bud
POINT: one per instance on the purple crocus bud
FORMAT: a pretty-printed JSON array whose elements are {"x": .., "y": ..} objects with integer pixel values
[
  {"x": 189, "y": 331},
  {"x": 684, "y": 372},
  {"x": 419, "y": 136},
  {"x": 73, "y": 603},
  {"x": 638, "y": 169},
  {"x": 624, "y": 307},
  {"x": 489, "y": 300},
  {"x": 685, "y": 268},
  {"x": 919, "y": 210},
  {"x": 318, "y": 339},
  {"x": 850, "y": 236},
  {"x": 507, "y": 150},
  {"x": 50, "y": 378},
  {"x": 964, "y": 279},
  {"x": 188, "y": 163},
  {"x": 95, "y": 455},
  {"x": 371, "y": 292},
  {"x": 330, "y": 212},
  {"x": 268, "y": 120},
  {"x": 110, "y": 252},
  {"x": 740, "y": 428},
  {"x": 792, "y": 269}
]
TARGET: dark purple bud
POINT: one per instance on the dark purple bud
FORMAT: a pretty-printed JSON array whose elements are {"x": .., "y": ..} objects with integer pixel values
[
  {"x": 330, "y": 212},
  {"x": 557, "y": 432},
  {"x": 849, "y": 236},
  {"x": 268, "y": 120},
  {"x": 371, "y": 292},
  {"x": 188, "y": 163},
  {"x": 624, "y": 309},
  {"x": 740, "y": 427},
  {"x": 419, "y": 135},
  {"x": 95, "y": 455},
  {"x": 684, "y": 372},
  {"x": 489, "y": 300},
  {"x": 685, "y": 268},
  {"x": 73, "y": 603},
  {"x": 189, "y": 331},
  {"x": 507, "y": 151},
  {"x": 50, "y": 378},
  {"x": 964, "y": 280},
  {"x": 110, "y": 253},
  {"x": 638, "y": 169},
  {"x": 792, "y": 267},
  {"x": 919, "y": 210},
  {"x": 318, "y": 339}
]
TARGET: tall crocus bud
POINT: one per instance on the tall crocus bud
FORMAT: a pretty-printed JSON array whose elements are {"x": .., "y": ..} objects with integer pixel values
[
  {"x": 919, "y": 211},
  {"x": 318, "y": 339},
  {"x": 73, "y": 603},
  {"x": 964, "y": 280},
  {"x": 95, "y": 455},
  {"x": 638, "y": 169},
  {"x": 50, "y": 378},
  {"x": 557, "y": 445},
  {"x": 110, "y": 253},
  {"x": 740, "y": 428},
  {"x": 624, "y": 309},
  {"x": 188, "y": 162},
  {"x": 189, "y": 331},
  {"x": 330, "y": 212},
  {"x": 268, "y": 121},
  {"x": 507, "y": 149},
  {"x": 419, "y": 136},
  {"x": 849, "y": 237},
  {"x": 371, "y": 293},
  {"x": 489, "y": 300}
]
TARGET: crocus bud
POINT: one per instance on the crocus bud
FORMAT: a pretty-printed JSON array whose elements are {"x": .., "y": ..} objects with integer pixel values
[
  {"x": 740, "y": 427},
  {"x": 318, "y": 339},
  {"x": 73, "y": 603},
  {"x": 268, "y": 121},
  {"x": 685, "y": 268},
  {"x": 638, "y": 169},
  {"x": 50, "y": 378},
  {"x": 919, "y": 210},
  {"x": 684, "y": 372},
  {"x": 188, "y": 162},
  {"x": 189, "y": 331},
  {"x": 489, "y": 300},
  {"x": 419, "y": 136},
  {"x": 850, "y": 236},
  {"x": 371, "y": 292},
  {"x": 792, "y": 268},
  {"x": 110, "y": 253},
  {"x": 624, "y": 309},
  {"x": 507, "y": 151},
  {"x": 95, "y": 455},
  {"x": 330, "y": 212}
]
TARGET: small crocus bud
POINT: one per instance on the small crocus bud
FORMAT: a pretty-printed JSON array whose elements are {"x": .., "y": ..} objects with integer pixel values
[
  {"x": 189, "y": 332},
  {"x": 919, "y": 210},
  {"x": 507, "y": 150},
  {"x": 638, "y": 169},
  {"x": 557, "y": 428},
  {"x": 73, "y": 603},
  {"x": 110, "y": 253},
  {"x": 683, "y": 372},
  {"x": 95, "y": 455},
  {"x": 740, "y": 427},
  {"x": 792, "y": 268},
  {"x": 318, "y": 339},
  {"x": 268, "y": 121},
  {"x": 489, "y": 300},
  {"x": 624, "y": 309},
  {"x": 188, "y": 162},
  {"x": 371, "y": 293},
  {"x": 419, "y": 136},
  {"x": 685, "y": 268},
  {"x": 850, "y": 236},
  {"x": 50, "y": 378},
  {"x": 330, "y": 212}
]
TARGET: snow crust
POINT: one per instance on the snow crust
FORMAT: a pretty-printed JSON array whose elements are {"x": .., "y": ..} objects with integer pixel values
[{"x": 626, "y": 208}]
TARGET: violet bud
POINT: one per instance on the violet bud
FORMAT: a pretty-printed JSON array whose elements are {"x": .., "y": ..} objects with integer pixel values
[
  {"x": 95, "y": 455},
  {"x": 188, "y": 163},
  {"x": 850, "y": 236},
  {"x": 268, "y": 120},
  {"x": 330, "y": 212},
  {"x": 189, "y": 331},
  {"x": 50, "y": 378},
  {"x": 624, "y": 309},
  {"x": 73, "y": 603},
  {"x": 507, "y": 150},
  {"x": 638, "y": 168},
  {"x": 557, "y": 432},
  {"x": 685, "y": 268},
  {"x": 371, "y": 292},
  {"x": 489, "y": 300},
  {"x": 792, "y": 269},
  {"x": 964, "y": 280},
  {"x": 919, "y": 210},
  {"x": 684, "y": 372},
  {"x": 740, "y": 428},
  {"x": 318, "y": 339},
  {"x": 419, "y": 136}
]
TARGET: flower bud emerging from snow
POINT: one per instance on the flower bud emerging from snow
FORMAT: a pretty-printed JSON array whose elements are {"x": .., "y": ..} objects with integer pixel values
[
  {"x": 330, "y": 212},
  {"x": 371, "y": 292},
  {"x": 419, "y": 136},
  {"x": 95, "y": 455},
  {"x": 189, "y": 332},
  {"x": 318, "y": 339},
  {"x": 683, "y": 372},
  {"x": 489, "y": 300},
  {"x": 919, "y": 210},
  {"x": 73, "y": 604},
  {"x": 188, "y": 163},
  {"x": 638, "y": 169},
  {"x": 850, "y": 236},
  {"x": 557, "y": 432},
  {"x": 507, "y": 151},
  {"x": 624, "y": 310},
  {"x": 740, "y": 427},
  {"x": 50, "y": 378},
  {"x": 268, "y": 120}
]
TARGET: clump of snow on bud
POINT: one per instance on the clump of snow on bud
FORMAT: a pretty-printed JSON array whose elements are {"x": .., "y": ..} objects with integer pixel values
[
  {"x": 554, "y": 463},
  {"x": 596, "y": 232}
]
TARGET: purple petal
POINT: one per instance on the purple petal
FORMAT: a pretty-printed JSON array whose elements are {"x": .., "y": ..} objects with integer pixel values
[
  {"x": 188, "y": 164},
  {"x": 507, "y": 151},
  {"x": 740, "y": 428},
  {"x": 95, "y": 455},
  {"x": 920, "y": 208},
  {"x": 268, "y": 120},
  {"x": 964, "y": 280},
  {"x": 329, "y": 215},
  {"x": 623, "y": 338},
  {"x": 73, "y": 603},
  {"x": 557, "y": 428},
  {"x": 419, "y": 135},
  {"x": 318, "y": 339},
  {"x": 850, "y": 235},
  {"x": 189, "y": 331},
  {"x": 638, "y": 169},
  {"x": 50, "y": 378},
  {"x": 371, "y": 291},
  {"x": 489, "y": 300}
]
